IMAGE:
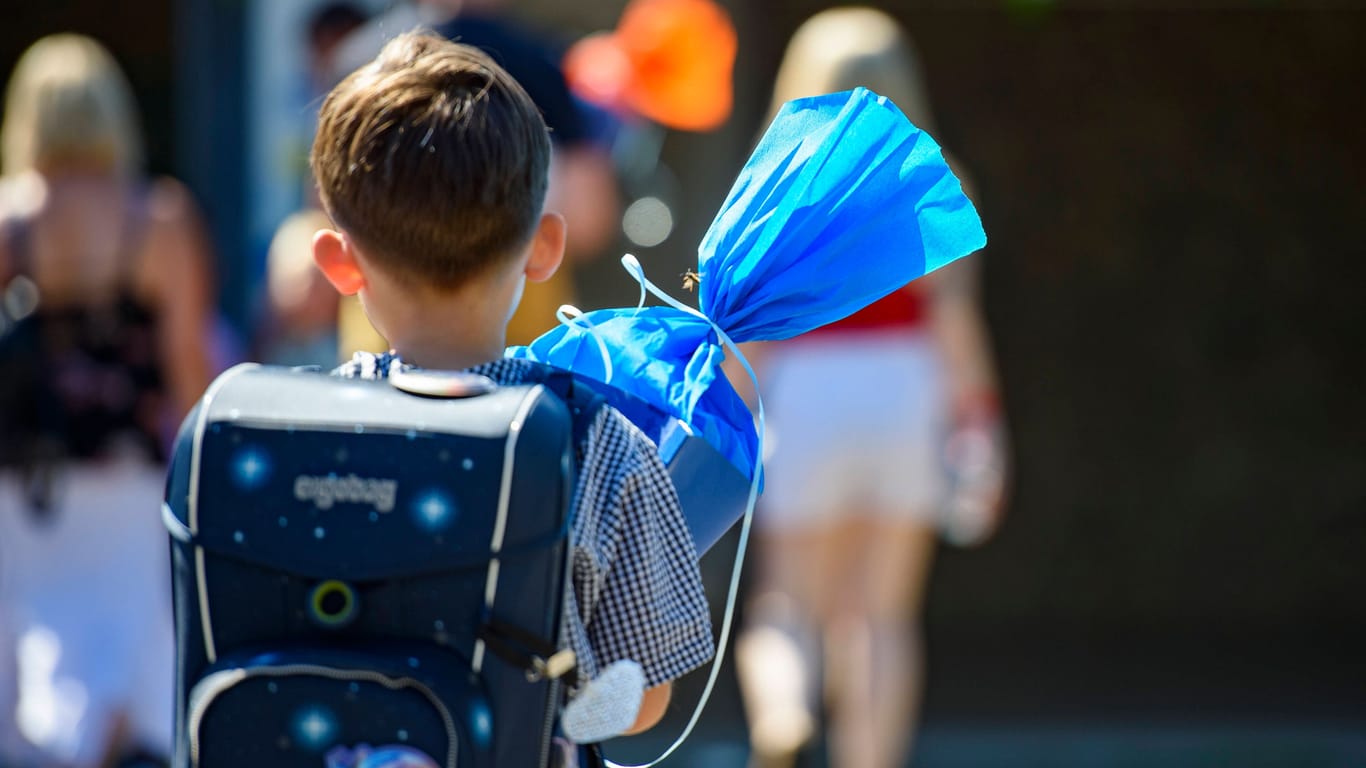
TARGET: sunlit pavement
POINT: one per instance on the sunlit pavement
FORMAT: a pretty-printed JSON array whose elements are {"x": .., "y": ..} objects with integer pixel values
[
  {"x": 1063, "y": 697},
  {"x": 1245, "y": 745}
]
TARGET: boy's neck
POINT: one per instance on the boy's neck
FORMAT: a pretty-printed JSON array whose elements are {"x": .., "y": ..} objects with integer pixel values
[
  {"x": 451, "y": 331},
  {"x": 431, "y": 351}
]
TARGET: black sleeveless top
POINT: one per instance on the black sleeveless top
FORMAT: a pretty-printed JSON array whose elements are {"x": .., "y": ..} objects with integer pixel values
[{"x": 75, "y": 381}]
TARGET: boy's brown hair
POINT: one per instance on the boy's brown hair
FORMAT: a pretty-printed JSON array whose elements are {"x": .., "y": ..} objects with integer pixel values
[{"x": 433, "y": 159}]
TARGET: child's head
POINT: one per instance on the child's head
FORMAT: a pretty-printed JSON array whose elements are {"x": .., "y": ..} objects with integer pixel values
[{"x": 433, "y": 160}]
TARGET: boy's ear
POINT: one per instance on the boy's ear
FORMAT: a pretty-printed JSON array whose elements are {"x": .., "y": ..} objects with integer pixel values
[
  {"x": 333, "y": 254},
  {"x": 547, "y": 248}
]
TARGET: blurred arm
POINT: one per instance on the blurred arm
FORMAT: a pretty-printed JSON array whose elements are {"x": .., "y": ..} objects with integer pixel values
[
  {"x": 977, "y": 446},
  {"x": 583, "y": 188},
  {"x": 960, "y": 331},
  {"x": 16, "y": 193},
  {"x": 755, "y": 353},
  {"x": 652, "y": 708},
  {"x": 177, "y": 269},
  {"x": 4, "y": 251}
]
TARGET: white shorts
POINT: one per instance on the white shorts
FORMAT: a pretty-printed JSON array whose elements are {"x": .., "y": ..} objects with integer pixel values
[
  {"x": 86, "y": 627},
  {"x": 855, "y": 422}
]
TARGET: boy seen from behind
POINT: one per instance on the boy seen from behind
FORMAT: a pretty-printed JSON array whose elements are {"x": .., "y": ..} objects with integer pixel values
[{"x": 431, "y": 162}]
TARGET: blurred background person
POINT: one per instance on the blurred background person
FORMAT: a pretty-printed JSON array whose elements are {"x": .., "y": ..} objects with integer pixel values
[
  {"x": 859, "y": 411},
  {"x": 104, "y": 345},
  {"x": 666, "y": 70},
  {"x": 583, "y": 184},
  {"x": 327, "y": 27},
  {"x": 298, "y": 317},
  {"x": 300, "y": 322}
]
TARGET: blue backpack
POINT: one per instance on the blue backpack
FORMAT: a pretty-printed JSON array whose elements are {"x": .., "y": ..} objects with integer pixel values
[{"x": 372, "y": 562}]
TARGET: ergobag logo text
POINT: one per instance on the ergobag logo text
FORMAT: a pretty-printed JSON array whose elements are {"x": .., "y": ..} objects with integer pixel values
[{"x": 326, "y": 491}]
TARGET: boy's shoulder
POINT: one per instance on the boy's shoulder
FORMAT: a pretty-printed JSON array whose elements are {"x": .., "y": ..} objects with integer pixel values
[
  {"x": 616, "y": 463},
  {"x": 615, "y": 435},
  {"x": 503, "y": 372}
]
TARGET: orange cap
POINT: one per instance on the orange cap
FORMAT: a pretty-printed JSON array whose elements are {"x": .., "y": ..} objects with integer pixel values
[{"x": 669, "y": 60}]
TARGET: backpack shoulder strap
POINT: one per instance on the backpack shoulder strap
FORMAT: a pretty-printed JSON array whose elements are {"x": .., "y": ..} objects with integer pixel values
[
  {"x": 539, "y": 657},
  {"x": 583, "y": 400}
]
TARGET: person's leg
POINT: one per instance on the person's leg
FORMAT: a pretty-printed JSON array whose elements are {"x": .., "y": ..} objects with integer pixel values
[
  {"x": 12, "y": 745},
  {"x": 777, "y": 656},
  {"x": 95, "y": 638},
  {"x": 874, "y": 648},
  {"x": 810, "y": 468},
  {"x": 874, "y": 641},
  {"x": 149, "y": 624}
]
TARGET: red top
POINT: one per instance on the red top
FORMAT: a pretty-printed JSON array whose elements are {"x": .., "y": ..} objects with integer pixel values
[{"x": 904, "y": 308}]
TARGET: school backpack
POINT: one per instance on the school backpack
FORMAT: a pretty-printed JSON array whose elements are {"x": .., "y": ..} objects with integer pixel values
[{"x": 371, "y": 562}]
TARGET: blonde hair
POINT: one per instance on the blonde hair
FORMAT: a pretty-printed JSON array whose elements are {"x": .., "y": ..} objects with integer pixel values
[
  {"x": 842, "y": 48},
  {"x": 68, "y": 105}
]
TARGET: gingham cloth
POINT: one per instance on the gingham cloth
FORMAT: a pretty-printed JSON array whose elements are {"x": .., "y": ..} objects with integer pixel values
[{"x": 636, "y": 592}]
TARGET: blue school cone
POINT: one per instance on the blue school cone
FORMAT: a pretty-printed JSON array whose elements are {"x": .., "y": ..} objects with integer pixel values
[{"x": 842, "y": 202}]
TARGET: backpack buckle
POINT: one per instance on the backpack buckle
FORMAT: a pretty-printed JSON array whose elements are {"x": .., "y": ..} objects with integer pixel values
[{"x": 558, "y": 665}]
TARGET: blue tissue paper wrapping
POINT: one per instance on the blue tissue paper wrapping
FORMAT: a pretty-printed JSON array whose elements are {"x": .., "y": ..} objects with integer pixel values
[{"x": 842, "y": 202}]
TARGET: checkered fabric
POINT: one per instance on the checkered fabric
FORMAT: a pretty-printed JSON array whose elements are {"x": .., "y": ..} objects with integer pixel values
[{"x": 636, "y": 592}]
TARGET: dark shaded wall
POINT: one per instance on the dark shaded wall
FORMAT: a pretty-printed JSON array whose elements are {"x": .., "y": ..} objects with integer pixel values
[
  {"x": 184, "y": 60},
  {"x": 1174, "y": 207},
  {"x": 1174, "y": 202},
  {"x": 138, "y": 34}
]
